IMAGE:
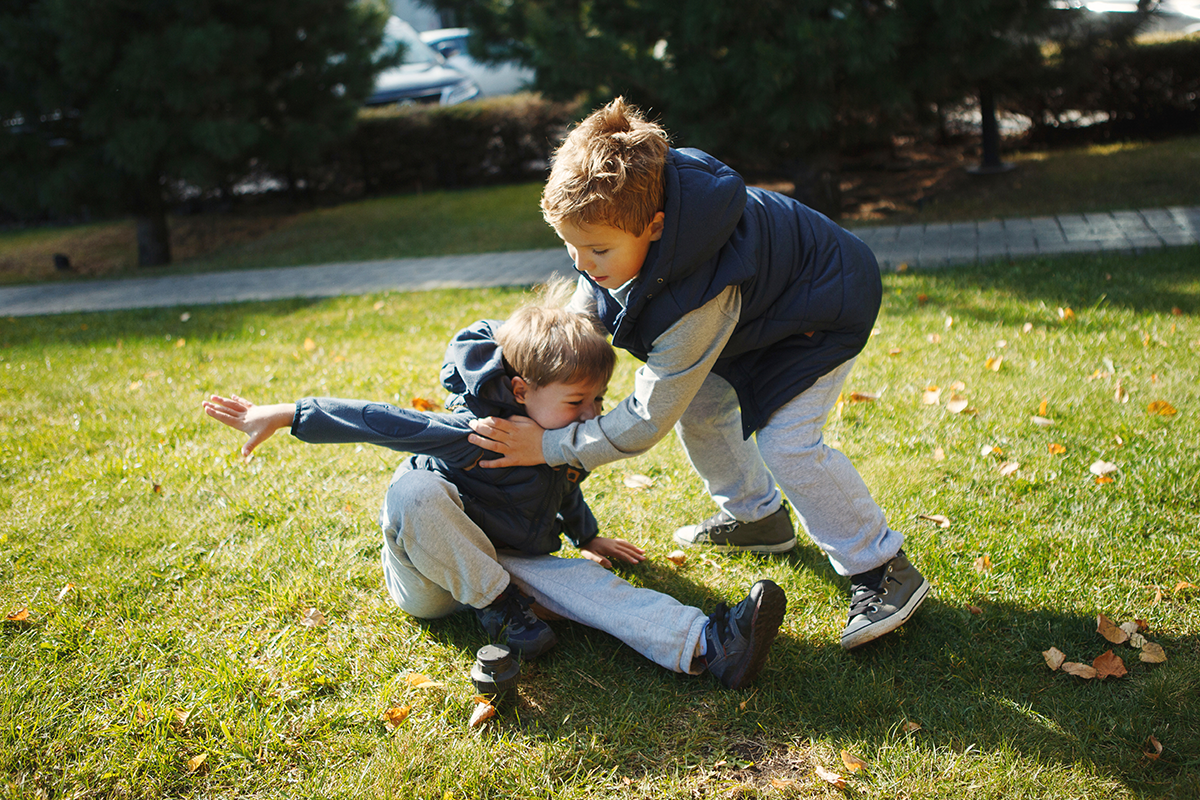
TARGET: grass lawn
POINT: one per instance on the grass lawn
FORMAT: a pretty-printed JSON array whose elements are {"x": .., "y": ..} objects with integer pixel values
[
  {"x": 157, "y": 587},
  {"x": 1098, "y": 178}
]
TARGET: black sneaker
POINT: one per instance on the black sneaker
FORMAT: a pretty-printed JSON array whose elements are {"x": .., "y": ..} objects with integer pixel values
[
  {"x": 723, "y": 533},
  {"x": 738, "y": 638},
  {"x": 882, "y": 600},
  {"x": 509, "y": 616}
]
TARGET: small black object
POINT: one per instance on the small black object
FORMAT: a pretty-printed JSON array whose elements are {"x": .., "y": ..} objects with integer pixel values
[
  {"x": 62, "y": 263},
  {"x": 495, "y": 672}
]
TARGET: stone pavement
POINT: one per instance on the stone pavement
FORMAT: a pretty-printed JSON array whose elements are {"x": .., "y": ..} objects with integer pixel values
[{"x": 917, "y": 246}]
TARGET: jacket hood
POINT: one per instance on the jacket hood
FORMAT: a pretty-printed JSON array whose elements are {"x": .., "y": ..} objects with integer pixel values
[{"x": 473, "y": 372}]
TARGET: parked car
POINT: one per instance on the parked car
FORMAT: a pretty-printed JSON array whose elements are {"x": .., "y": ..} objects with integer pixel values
[
  {"x": 424, "y": 77},
  {"x": 493, "y": 79}
]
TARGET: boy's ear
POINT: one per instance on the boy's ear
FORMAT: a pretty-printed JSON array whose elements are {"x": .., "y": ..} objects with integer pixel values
[
  {"x": 520, "y": 389},
  {"x": 656, "y": 226}
]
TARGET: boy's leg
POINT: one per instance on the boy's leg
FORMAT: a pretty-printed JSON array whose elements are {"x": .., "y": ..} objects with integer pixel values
[
  {"x": 839, "y": 513},
  {"x": 752, "y": 516}
]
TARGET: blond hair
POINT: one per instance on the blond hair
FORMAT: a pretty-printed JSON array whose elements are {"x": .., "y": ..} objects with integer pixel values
[
  {"x": 544, "y": 343},
  {"x": 608, "y": 171}
]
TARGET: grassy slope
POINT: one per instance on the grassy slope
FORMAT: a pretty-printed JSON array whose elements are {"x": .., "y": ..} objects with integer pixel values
[{"x": 186, "y": 572}]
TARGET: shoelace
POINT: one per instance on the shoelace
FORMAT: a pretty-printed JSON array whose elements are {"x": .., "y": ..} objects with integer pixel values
[{"x": 865, "y": 590}]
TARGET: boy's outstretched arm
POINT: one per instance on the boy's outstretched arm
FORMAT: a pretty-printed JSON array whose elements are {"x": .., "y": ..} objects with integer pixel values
[
  {"x": 257, "y": 422},
  {"x": 601, "y": 549}
]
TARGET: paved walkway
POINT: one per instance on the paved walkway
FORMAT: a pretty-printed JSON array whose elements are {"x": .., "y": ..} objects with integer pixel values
[{"x": 918, "y": 246}]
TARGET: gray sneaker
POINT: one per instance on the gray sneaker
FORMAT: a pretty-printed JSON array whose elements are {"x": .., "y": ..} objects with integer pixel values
[
  {"x": 882, "y": 600},
  {"x": 723, "y": 533}
]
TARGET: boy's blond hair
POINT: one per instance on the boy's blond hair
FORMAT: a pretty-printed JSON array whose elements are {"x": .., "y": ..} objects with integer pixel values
[
  {"x": 608, "y": 171},
  {"x": 544, "y": 343}
]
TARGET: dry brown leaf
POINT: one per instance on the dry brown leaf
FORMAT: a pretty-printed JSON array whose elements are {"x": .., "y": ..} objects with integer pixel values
[
  {"x": 910, "y": 727},
  {"x": 423, "y": 404},
  {"x": 975, "y": 610},
  {"x": 1044, "y": 407},
  {"x": 1009, "y": 467},
  {"x": 994, "y": 363},
  {"x": 983, "y": 564},
  {"x": 1143, "y": 626},
  {"x": 1121, "y": 394},
  {"x": 179, "y": 718},
  {"x": 1183, "y": 586},
  {"x": 990, "y": 450},
  {"x": 309, "y": 344},
  {"x": 195, "y": 762},
  {"x": 20, "y": 615},
  {"x": 1056, "y": 449},
  {"x": 895, "y": 351},
  {"x": 931, "y": 396},
  {"x": 1066, "y": 314},
  {"x": 1102, "y": 467},
  {"x": 830, "y": 777},
  {"x": 482, "y": 713},
  {"x": 1106, "y": 628},
  {"x": 1152, "y": 653},
  {"x": 863, "y": 397},
  {"x": 1104, "y": 479},
  {"x": 313, "y": 619},
  {"x": 957, "y": 404},
  {"x": 1085, "y": 671},
  {"x": 1129, "y": 627},
  {"x": 1027, "y": 327},
  {"x": 1161, "y": 407},
  {"x": 1109, "y": 665},
  {"x": 1136, "y": 640},
  {"x": 939, "y": 454},
  {"x": 1153, "y": 748},
  {"x": 677, "y": 557},
  {"x": 941, "y": 520},
  {"x": 1054, "y": 658},
  {"x": 58, "y": 598},
  {"x": 157, "y": 488},
  {"x": 638, "y": 482},
  {"x": 853, "y": 762},
  {"x": 782, "y": 783},
  {"x": 419, "y": 681},
  {"x": 1041, "y": 422},
  {"x": 394, "y": 716}
]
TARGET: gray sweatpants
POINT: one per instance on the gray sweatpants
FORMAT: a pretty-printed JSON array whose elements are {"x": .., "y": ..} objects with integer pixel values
[
  {"x": 437, "y": 561},
  {"x": 829, "y": 496}
]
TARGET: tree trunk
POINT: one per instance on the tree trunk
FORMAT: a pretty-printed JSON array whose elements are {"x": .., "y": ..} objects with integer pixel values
[
  {"x": 990, "y": 157},
  {"x": 153, "y": 238}
]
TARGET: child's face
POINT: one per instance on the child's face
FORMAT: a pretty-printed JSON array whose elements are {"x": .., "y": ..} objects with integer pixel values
[
  {"x": 609, "y": 256},
  {"x": 557, "y": 405}
]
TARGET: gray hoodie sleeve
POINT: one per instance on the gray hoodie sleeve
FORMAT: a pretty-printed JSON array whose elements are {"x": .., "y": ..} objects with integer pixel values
[{"x": 663, "y": 388}]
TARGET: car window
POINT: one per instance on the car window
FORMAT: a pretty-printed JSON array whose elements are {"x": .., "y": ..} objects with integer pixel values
[{"x": 415, "y": 51}]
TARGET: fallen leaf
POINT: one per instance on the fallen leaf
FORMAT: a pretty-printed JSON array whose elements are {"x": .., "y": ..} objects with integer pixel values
[
  {"x": 957, "y": 404},
  {"x": 902, "y": 266},
  {"x": 21, "y": 615},
  {"x": 422, "y": 404},
  {"x": 983, "y": 564},
  {"x": 378, "y": 305},
  {"x": 482, "y": 713},
  {"x": 1044, "y": 408},
  {"x": 1109, "y": 665},
  {"x": 1042, "y": 422},
  {"x": 1106, "y": 628},
  {"x": 1027, "y": 327},
  {"x": 1104, "y": 479},
  {"x": 1066, "y": 314},
  {"x": 1054, "y": 658},
  {"x": 1129, "y": 627},
  {"x": 863, "y": 397},
  {"x": 942, "y": 521},
  {"x": 782, "y": 783},
  {"x": 934, "y": 338},
  {"x": 958, "y": 386},
  {"x": 181, "y": 342},
  {"x": 184, "y": 317},
  {"x": 1118, "y": 441},
  {"x": 1121, "y": 394},
  {"x": 975, "y": 609},
  {"x": 1136, "y": 640},
  {"x": 1009, "y": 467},
  {"x": 1161, "y": 407},
  {"x": 313, "y": 619},
  {"x": 1183, "y": 586},
  {"x": 949, "y": 322},
  {"x": 195, "y": 762},
  {"x": 939, "y": 454},
  {"x": 922, "y": 299},
  {"x": 853, "y": 762},
  {"x": 677, "y": 557},
  {"x": 419, "y": 681},
  {"x": 394, "y": 716},
  {"x": 58, "y": 598},
  {"x": 1157, "y": 596},
  {"x": 1085, "y": 671},
  {"x": 157, "y": 488},
  {"x": 931, "y": 396},
  {"x": 638, "y": 482},
  {"x": 1002, "y": 343},
  {"x": 910, "y": 727},
  {"x": 179, "y": 718},
  {"x": 1152, "y": 653},
  {"x": 990, "y": 450},
  {"x": 1142, "y": 625},
  {"x": 1056, "y": 449},
  {"x": 895, "y": 351},
  {"x": 994, "y": 363},
  {"x": 1153, "y": 748},
  {"x": 1102, "y": 467},
  {"x": 830, "y": 777},
  {"x": 309, "y": 344}
]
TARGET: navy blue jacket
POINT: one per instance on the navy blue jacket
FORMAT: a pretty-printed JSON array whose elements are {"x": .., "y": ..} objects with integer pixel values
[
  {"x": 523, "y": 508},
  {"x": 810, "y": 290}
]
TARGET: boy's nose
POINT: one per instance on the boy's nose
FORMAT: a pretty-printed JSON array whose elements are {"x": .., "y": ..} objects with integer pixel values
[{"x": 589, "y": 411}]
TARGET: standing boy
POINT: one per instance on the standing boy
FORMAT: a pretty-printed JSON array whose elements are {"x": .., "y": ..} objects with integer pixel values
[
  {"x": 749, "y": 310},
  {"x": 456, "y": 536}
]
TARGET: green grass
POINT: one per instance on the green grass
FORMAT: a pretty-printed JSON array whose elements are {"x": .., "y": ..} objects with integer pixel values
[{"x": 187, "y": 572}]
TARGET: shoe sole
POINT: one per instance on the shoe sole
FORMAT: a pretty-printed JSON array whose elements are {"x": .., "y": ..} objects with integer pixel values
[
  {"x": 768, "y": 616},
  {"x": 886, "y": 626},
  {"x": 782, "y": 547}
]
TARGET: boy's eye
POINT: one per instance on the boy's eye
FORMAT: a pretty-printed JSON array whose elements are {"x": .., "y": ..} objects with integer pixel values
[{"x": 599, "y": 252}]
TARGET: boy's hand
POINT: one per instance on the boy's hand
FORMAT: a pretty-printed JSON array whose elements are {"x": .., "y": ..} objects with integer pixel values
[
  {"x": 601, "y": 549},
  {"x": 257, "y": 422},
  {"x": 517, "y": 439}
]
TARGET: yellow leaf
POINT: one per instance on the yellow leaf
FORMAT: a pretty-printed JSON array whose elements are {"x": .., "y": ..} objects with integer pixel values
[
  {"x": 1043, "y": 408},
  {"x": 1054, "y": 658},
  {"x": 863, "y": 397},
  {"x": 1104, "y": 479},
  {"x": 1161, "y": 407},
  {"x": 1056, "y": 449},
  {"x": 195, "y": 762},
  {"x": 482, "y": 713},
  {"x": 1106, "y": 628},
  {"x": 21, "y": 615},
  {"x": 994, "y": 363},
  {"x": 309, "y": 344},
  {"x": 1109, "y": 665},
  {"x": 1085, "y": 671},
  {"x": 990, "y": 450},
  {"x": 895, "y": 351},
  {"x": 677, "y": 557},
  {"x": 394, "y": 716},
  {"x": 983, "y": 564},
  {"x": 1152, "y": 653},
  {"x": 180, "y": 342},
  {"x": 1066, "y": 314},
  {"x": 853, "y": 762},
  {"x": 957, "y": 404},
  {"x": 638, "y": 482},
  {"x": 313, "y": 619},
  {"x": 931, "y": 396},
  {"x": 830, "y": 777},
  {"x": 421, "y": 404},
  {"x": 419, "y": 681},
  {"x": 63, "y": 592},
  {"x": 942, "y": 521}
]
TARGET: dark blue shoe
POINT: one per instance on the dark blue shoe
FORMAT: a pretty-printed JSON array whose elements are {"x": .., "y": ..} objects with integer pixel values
[
  {"x": 738, "y": 638},
  {"x": 510, "y": 619}
]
